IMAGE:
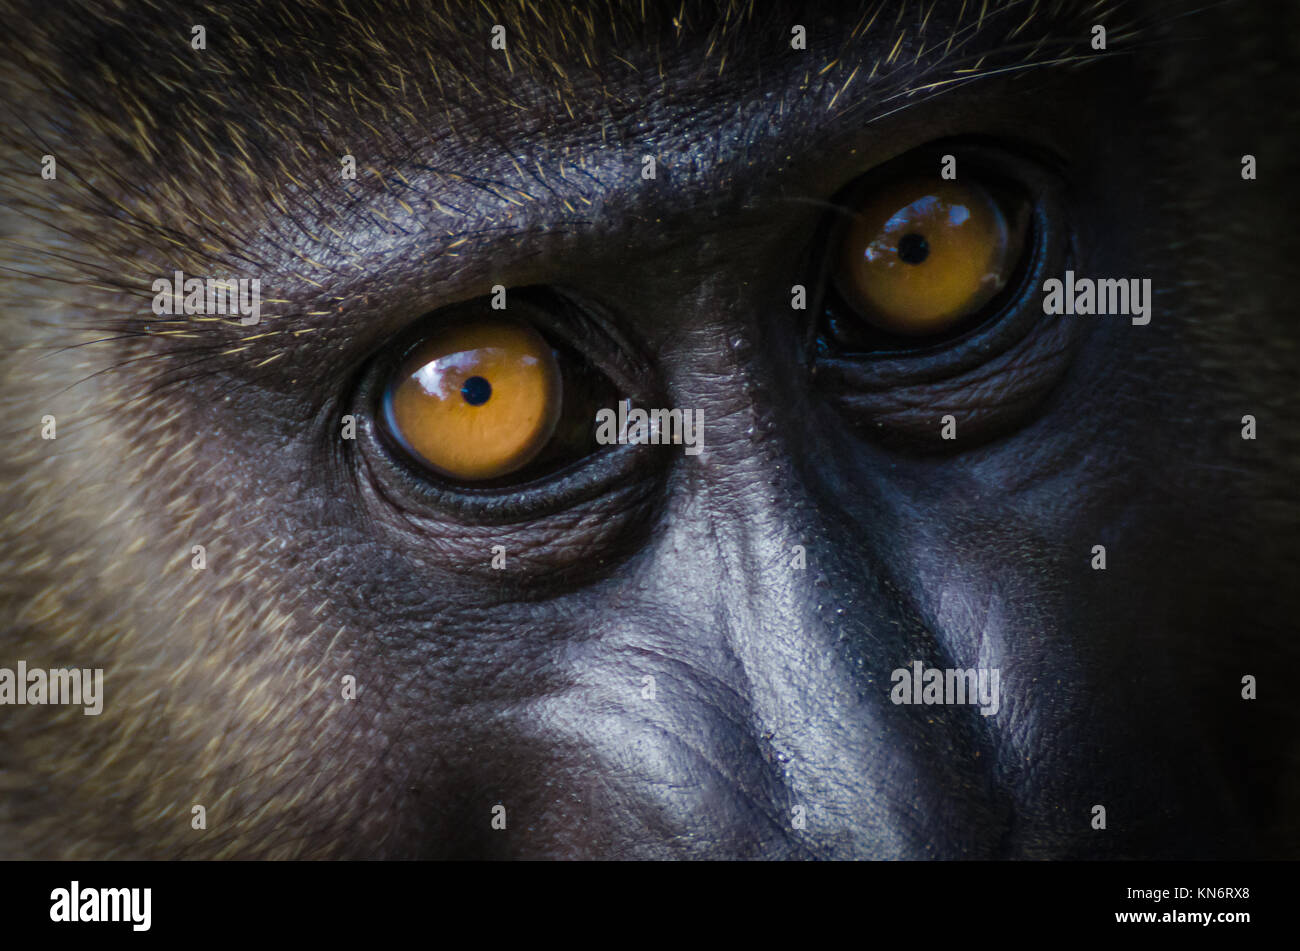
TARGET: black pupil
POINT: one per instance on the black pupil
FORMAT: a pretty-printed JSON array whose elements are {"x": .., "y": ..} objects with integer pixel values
[
  {"x": 476, "y": 391},
  {"x": 913, "y": 248}
]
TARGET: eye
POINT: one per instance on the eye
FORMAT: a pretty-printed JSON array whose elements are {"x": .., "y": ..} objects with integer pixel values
[
  {"x": 476, "y": 401},
  {"x": 931, "y": 293},
  {"x": 920, "y": 260},
  {"x": 485, "y": 400}
]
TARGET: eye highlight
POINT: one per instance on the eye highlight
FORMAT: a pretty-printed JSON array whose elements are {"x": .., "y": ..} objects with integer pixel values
[{"x": 477, "y": 400}]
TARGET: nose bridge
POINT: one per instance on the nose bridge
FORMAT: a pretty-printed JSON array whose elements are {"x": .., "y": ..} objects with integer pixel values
[
  {"x": 737, "y": 641},
  {"x": 788, "y": 614},
  {"x": 763, "y": 603}
]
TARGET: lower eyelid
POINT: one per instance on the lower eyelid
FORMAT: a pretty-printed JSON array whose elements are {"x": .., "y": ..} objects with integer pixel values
[
  {"x": 986, "y": 400},
  {"x": 580, "y": 534}
]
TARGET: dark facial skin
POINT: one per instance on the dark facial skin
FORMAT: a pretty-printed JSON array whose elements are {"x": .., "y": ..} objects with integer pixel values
[{"x": 524, "y": 687}]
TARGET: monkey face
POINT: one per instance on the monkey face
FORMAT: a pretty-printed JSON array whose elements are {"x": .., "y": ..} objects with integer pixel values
[{"x": 379, "y": 561}]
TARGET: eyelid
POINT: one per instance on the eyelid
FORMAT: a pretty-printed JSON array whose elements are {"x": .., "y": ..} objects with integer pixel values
[
  {"x": 560, "y": 314},
  {"x": 587, "y": 328},
  {"x": 987, "y": 398}
]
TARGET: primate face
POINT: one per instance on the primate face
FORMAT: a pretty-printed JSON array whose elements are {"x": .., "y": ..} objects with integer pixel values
[{"x": 709, "y": 430}]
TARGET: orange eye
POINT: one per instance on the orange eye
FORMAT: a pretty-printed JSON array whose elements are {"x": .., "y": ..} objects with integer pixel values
[
  {"x": 921, "y": 256},
  {"x": 476, "y": 401}
]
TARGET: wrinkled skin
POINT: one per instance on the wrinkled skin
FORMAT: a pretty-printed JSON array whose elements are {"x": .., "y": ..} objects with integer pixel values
[{"x": 524, "y": 687}]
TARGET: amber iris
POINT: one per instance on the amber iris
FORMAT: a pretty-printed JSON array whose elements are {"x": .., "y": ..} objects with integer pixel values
[
  {"x": 920, "y": 256},
  {"x": 477, "y": 400}
]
